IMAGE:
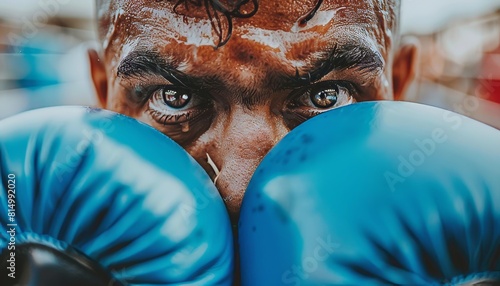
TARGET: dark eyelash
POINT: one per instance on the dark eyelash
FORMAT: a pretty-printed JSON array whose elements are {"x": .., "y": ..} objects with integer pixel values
[
  {"x": 325, "y": 85},
  {"x": 163, "y": 118},
  {"x": 141, "y": 94}
]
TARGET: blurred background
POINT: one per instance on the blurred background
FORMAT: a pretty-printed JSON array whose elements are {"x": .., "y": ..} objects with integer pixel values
[{"x": 43, "y": 59}]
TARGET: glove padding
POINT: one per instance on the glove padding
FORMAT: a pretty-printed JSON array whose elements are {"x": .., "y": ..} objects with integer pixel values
[
  {"x": 376, "y": 193},
  {"x": 113, "y": 195}
]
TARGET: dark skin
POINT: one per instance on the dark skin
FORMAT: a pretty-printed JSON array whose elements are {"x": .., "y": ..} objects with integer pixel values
[{"x": 237, "y": 101}]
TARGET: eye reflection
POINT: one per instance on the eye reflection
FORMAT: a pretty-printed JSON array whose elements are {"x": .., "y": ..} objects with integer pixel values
[
  {"x": 175, "y": 99},
  {"x": 181, "y": 113},
  {"x": 324, "y": 98},
  {"x": 172, "y": 105},
  {"x": 320, "y": 97}
]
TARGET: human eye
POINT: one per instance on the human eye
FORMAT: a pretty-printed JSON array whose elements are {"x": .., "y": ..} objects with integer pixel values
[
  {"x": 317, "y": 98},
  {"x": 172, "y": 105},
  {"x": 180, "y": 112}
]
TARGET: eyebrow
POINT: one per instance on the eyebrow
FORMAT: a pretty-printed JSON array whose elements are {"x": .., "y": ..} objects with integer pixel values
[
  {"x": 141, "y": 63},
  {"x": 340, "y": 58}
]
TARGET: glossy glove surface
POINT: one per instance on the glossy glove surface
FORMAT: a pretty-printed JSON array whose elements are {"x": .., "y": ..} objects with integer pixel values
[
  {"x": 376, "y": 193},
  {"x": 116, "y": 190}
]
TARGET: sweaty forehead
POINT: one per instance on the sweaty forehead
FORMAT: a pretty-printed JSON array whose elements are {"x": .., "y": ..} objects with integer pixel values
[
  {"x": 127, "y": 16},
  {"x": 273, "y": 35},
  {"x": 269, "y": 9}
]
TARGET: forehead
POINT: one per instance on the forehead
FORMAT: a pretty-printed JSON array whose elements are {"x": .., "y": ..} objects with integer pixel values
[
  {"x": 274, "y": 32},
  {"x": 271, "y": 13}
]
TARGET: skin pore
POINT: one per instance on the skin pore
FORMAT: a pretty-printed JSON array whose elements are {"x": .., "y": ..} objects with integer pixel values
[{"x": 236, "y": 101}]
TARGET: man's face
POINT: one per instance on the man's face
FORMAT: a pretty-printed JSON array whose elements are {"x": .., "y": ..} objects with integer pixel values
[{"x": 228, "y": 106}]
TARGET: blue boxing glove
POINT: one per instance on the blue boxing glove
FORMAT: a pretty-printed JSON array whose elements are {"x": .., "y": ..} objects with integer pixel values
[
  {"x": 90, "y": 197},
  {"x": 376, "y": 193}
]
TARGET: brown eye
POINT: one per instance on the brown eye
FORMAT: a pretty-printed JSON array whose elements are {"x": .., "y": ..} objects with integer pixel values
[
  {"x": 324, "y": 98},
  {"x": 172, "y": 105},
  {"x": 317, "y": 98},
  {"x": 175, "y": 98}
]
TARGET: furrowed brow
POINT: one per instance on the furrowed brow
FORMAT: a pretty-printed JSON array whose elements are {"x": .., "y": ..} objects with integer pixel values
[
  {"x": 341, "y": 58},
  {"x": 139, "y": 64}
]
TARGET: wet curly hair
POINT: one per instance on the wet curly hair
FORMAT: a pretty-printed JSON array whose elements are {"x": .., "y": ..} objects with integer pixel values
[{"x": 220, "y": 12}]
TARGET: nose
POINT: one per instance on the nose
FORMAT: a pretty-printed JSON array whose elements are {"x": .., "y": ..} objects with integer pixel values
[{"x": 245, "y": 138}]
